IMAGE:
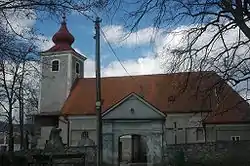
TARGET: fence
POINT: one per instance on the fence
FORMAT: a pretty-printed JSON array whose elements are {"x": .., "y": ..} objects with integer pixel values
[
  {"x": 71, "y": 157},
  {"x": 223, "y": 153}
]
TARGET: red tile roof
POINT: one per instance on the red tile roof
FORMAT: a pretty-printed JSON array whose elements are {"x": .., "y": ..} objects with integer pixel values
[{"x": 169, "y": 93}]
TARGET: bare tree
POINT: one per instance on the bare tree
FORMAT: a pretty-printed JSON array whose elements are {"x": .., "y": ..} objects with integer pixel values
[
  {"x": 27, "y": 93},
  {"x": 8, "y": 82},
  {"x": 211, "y": 35},
  {"x": 215, "y": 33},
  {"x": 14, "y": 58},
  {"x": 17, "y": 91},
  {"x": 43, "y": 8},
  {"x": 19, "y": 94},
  {"x": 11, "y": 12}
]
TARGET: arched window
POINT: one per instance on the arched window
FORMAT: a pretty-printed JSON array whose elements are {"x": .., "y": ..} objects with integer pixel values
[
  {"x": 55, "y": 65},
  {"x": 77, "y": 68}
]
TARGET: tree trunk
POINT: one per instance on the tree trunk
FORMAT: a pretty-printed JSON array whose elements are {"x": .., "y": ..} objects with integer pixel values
[
  {"x": 21, "y": 123},
  {"x": 11, "y": 139},
  {"x": 21, "y": 109}
]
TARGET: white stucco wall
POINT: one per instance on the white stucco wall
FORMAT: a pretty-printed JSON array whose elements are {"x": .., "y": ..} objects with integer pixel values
[
  {"x": 45, "y": 132},
  {"x": 226, "y": 131},
  {"x": 156, "y": 132},
  {"x": 186, "y": 127},
  {"x": 77, "y": 124},
  {"x": 121, "y": 121},
  {"x": 144, "y": 120},
  {"x": 184, "y": 120},
  {"x": 188, "y": 124}
]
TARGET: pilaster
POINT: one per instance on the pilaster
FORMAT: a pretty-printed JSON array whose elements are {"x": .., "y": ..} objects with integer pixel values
[{"x": 108, "y": 146}]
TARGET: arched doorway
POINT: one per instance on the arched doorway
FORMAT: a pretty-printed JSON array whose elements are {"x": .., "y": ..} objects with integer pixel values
[{"x": 132, "y": 148}]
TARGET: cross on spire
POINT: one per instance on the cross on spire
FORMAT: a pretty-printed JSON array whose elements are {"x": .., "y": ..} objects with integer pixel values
[{"x": 64, "y": 17}]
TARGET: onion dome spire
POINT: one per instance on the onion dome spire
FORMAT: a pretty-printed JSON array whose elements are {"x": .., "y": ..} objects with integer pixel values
[
  {"x": 63, "y": 39},
  {"x": 63, "y": 35}
]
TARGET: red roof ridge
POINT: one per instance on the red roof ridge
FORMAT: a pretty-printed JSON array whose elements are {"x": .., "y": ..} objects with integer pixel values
[{"x": 153, "y": 75}]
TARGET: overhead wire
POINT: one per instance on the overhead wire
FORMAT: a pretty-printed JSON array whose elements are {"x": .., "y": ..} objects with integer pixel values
[
  {"x": 107, "y": 41},
  {"x": 113, "y": 51}
]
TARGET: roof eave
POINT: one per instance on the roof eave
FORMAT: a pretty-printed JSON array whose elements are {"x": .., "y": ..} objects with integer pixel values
[
  {"x": 227, "y": 122},
  {"x": 48, "y": 53}
]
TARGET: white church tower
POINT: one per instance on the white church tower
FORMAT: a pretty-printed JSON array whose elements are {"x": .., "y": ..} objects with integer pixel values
[{"x": 60, "y": 66}]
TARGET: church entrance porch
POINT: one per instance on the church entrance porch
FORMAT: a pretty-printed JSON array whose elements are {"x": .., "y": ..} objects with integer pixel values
[
  {"x": 132, "y": 149},
  {"x": 144, "y": 124},
  {"x": 127, "y": 142}
]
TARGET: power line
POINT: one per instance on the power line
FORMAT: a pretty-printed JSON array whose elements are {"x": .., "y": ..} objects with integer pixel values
[
  {"x": 113, "y": 51},
  {"x": 105, "y": 38},
  {"x": 110, "y": 46}
]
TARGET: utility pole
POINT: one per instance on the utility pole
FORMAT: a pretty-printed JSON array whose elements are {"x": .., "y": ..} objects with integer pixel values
[{"x": 98, "y": 94}]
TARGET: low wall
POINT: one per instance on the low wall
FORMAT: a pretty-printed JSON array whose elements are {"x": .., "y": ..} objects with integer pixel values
[{"x": 220, "y": 153}]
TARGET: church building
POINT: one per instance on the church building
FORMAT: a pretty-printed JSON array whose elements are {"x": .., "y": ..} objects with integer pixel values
[{"x": 151, "y": 111}]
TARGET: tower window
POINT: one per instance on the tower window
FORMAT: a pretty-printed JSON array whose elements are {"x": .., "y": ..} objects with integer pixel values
[
  {"x": 55, "y": 65},
  {"x": 77, "y": 68}
]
